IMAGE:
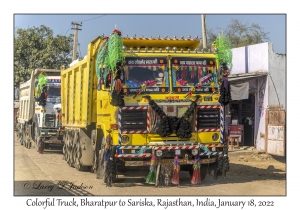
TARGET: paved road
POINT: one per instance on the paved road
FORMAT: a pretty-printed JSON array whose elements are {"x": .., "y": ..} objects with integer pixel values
[{"x": 48, "y": 174}]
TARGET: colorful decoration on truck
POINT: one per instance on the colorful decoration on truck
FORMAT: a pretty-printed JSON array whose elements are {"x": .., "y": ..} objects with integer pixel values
[
  {"x": 151, "y": 177},
  {"x": 115, "y": 49},
  {"x": 196, "y": 177},
  {"x": 42, "y": 79},
  {"x": 224, "y": 53},
  {"x": 110, "y": 52},
  {"x": 102, "y": 61},
  {"x": 181, "y": 125},
  {"x": 176, "y": 169},
  {"x": 197, "y": 72}
]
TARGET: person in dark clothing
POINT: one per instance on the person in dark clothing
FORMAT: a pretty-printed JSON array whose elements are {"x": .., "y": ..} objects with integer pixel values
[
  {"x": 117, "y": 94},
  {"x": 225, "y": 91},
  {"x": 43, "y": 96}
]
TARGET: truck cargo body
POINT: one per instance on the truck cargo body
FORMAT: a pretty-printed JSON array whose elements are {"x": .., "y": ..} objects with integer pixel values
[{"x": 170, "y": 79}]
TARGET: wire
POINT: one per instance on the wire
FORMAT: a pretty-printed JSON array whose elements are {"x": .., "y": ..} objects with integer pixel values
[
  {"x": 68, "y": 29},
  {"x": 275, "y": 90},
  {"x": 92, "y": 18},
  {"x": 78, "y": 45}
]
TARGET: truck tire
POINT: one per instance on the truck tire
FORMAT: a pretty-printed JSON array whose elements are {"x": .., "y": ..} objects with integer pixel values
[
  {"x": 65, "y": 146},
  {"x": 111, "y": 169},
  {"x": 77, "y": 162},
  {"x": 98, "y": 146},
  {"x": 22, "y": 137},
  {"x": 101, "y": 166},
  {"x": 36, "y": 136},
  {"x": 107, "y": 170}
]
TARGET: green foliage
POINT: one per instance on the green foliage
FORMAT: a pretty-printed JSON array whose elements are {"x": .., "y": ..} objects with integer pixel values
[
  {"x": 37, "y": 47},
  {"x": 240, "y": 34}
]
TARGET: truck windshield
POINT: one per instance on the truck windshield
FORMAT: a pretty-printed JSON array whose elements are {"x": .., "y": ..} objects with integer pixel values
[
  {"x": 150, "y": 73},
  {"x": 193, "y": 72},
  {"x": 53, "y": 92}
]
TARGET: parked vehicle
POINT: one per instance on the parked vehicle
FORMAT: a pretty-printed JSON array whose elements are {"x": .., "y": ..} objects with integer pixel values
[
  {"x": 165, "y": 114},
  {"x": 16, "y": 109},
  {"x": 37, "y": 121}
]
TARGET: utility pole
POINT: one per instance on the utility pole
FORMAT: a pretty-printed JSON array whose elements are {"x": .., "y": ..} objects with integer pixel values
[
  {"x": 204, "y": 32},
  {"x": 75, "y": 39}
]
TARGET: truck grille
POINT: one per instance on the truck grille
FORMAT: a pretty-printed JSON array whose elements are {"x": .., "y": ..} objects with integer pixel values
[
  {"x": 50, "y": 120},
  {"x": 134, "y": 120},
  {"x": 208, "y": 118}
]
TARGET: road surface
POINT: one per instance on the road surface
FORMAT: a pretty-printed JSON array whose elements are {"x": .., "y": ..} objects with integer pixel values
[{"x": 48, "y": 174}]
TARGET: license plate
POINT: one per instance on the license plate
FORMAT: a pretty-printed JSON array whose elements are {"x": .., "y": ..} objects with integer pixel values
[
  {"x": 137, "y": 163},
  {"x": 171, "y": 161},
  {"x": 177, "y": 152},
  {"x": 207, "y": 98}
]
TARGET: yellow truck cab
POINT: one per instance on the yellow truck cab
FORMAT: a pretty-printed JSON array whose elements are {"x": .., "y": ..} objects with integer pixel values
[{"x": 170, "y": 111}]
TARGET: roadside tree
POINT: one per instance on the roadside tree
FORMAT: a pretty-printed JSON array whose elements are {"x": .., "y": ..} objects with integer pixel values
[{"x": 37, "y": 47}]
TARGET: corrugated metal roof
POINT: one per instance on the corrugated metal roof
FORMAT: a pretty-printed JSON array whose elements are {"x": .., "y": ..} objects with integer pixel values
[{"x": 245, "y": 76}]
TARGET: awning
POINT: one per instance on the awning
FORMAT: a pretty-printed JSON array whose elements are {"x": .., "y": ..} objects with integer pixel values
[
  {"x": 245, "y": 76},
  {"x": 239, "y": 84}
]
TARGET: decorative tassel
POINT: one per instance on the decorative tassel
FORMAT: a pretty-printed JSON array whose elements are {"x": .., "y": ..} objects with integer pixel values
[
  {"x": 40, "y": 148},
  {"x": 224, "y": 54},
  {"x": 115, "y": 49},
  {"x": 196, "y": 178},
  {"x": 151, "y": 177},
  {"x": 141, "y": 151},
  {"x": 189, "y": 93},
  {"x": 176, "y": 169},
  {"x": 205, "y": 149},
  {"x": 102, "y": 60}
]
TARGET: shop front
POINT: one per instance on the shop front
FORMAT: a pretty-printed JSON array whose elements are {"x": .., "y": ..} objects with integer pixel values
[{"x": 242, "y": 117}]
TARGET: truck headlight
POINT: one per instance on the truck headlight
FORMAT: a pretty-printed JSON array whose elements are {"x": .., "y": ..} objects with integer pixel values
[
  {"x": 125, "y": 139},
  {"x": 195, "y": 152},
  {"x": 158, "y": 153},
  {"x": 215, "y": 137}
]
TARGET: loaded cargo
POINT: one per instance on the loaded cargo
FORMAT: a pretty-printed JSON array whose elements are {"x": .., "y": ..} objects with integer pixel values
[{"x": 146, "y": 102}]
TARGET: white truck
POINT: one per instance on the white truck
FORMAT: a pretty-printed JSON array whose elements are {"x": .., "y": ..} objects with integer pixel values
[{"x": 38, "y": 122}]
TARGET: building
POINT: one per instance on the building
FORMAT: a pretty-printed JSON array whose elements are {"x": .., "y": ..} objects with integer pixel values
[{"x": 259, "y": 73}]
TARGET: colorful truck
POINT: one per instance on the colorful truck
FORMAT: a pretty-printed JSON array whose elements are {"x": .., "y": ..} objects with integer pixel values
[
  {"x": 156, "y": 106},
  {"x": 37, "y": 121}
]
